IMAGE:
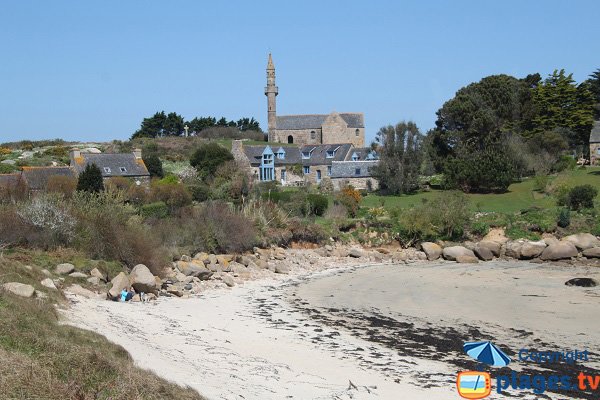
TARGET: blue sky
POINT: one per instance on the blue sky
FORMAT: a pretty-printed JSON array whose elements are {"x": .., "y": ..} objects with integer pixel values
[{"x": 91, "y": 70}]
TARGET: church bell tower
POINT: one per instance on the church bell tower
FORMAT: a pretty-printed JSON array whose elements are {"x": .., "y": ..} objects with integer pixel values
[{"x": 271, "y": 92}]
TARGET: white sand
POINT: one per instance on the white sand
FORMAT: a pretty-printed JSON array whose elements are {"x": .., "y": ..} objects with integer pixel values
[{"x": 230, "y": 344}]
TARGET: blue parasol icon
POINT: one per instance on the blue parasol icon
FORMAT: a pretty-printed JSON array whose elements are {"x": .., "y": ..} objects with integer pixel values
[{"x": 487, "y": 353}]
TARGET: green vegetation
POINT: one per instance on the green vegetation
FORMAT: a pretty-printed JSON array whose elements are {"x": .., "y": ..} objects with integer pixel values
[{"x": 90, "y": 180}]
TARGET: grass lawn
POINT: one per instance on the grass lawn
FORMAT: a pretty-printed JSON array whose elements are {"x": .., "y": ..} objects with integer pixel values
[{"x": 519, "y": 195}]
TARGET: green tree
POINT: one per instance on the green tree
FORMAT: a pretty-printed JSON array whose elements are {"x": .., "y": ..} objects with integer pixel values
[
  {"x": 208, "y": 157},
  {"x": 173, "y": 125},
  {"x": 90, "y": 180},
  {"x": 154, "y": 165},
  {"x": 401, "y": 155},
  {"x": 594, "y": 86},
  {"x": 197, "y": 124},
  {"x": 560, "y": 103},
  {"x": 248, "y": 124},
  {"x": 152, "y": 127}
]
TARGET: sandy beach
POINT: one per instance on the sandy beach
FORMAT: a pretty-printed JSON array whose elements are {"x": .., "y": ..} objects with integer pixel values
[{"x": 377, "y": 332}]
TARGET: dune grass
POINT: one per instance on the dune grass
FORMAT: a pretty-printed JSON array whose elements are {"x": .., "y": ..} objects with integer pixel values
[{"x": 43, "y": 359}]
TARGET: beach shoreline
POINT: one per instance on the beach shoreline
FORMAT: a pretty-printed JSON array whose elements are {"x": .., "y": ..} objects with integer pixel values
[{"x": 318, "y": 336}]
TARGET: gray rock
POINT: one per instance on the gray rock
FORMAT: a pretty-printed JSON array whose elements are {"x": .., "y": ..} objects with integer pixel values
[
  {"x": 80, "y": 291},
  {"x": 8, "y": 162},
  {"x": 549, "y": 239},
  {"x": 78, "y": 275},
  {"x": 49, "y": 283},
  {"x": 193, "y": 269},
  {"x": 40, "y": 295},
  {"x": 98, "y": 274},
  {"x": 559, "y": 251},
  {"x": 483, "y": 253},
  {"x": 94, "y": 280},
  {"x": 119, "y": 283},
  {"x": 513, "y": 249},
  {"x": 452, "y": 252},
  {"x": 282, "y": 269},
  {"x": 174, "y": 290},
  {"x": 432, "y": 250},
  {"x": 228, "y": 280},
  {"x": 356, "y": 253},
  {"x": 186, "y": 258},
  {"x": 492, "y": 246},
  {"x": 236, "y": 267},
  {"x": 262, "y": 264},
  {"x": 46, "y": 272},
  {"x": 532, "y": 249},
  {"x": 142, "y": 279},
  {"x": 19, "y": 289},
  {"x": 467, "y": 259},
  {"x": 593, "y": 252},
  {"x": 65, "y": 269},
  {"x": 583, "y": 241}
]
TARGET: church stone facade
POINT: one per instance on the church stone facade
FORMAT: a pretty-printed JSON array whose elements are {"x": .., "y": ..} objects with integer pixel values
[{"x": 312, "y": 128}]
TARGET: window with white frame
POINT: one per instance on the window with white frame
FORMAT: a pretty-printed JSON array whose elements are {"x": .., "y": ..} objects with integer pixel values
[
  {"x": 306, "y": 169},
  {"x": 106, "y": 170},
  {"x": 329, "y": 170}
]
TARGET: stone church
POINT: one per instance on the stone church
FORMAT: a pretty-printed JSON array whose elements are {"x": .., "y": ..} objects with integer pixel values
[{"x": 311, "y": 128}]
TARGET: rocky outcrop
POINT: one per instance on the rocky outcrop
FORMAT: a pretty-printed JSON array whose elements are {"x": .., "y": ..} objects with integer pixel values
[
  {"x": 356, "y": 253},
  {"x": 143, "y": 280},
  {"x": 583, "y": 241},
  {"x": 228, "y": 280},
  {"x": 78, "y": 275},
  {"x": 531, "y": 250},
  {"x": 432, "y": 250},
  {"x": 467, "y": 259},
  {"x": 452, "y": 252},
  {"x": 119, "y": 283},
  {"x": 494, "y": 247},
  {"x": 559, "y": 251},
  {"x": 483, "y": 253},
  {"x": 194, "y": 269},
  {"x": 64, "y": 269},
  {"x": 49, "y": 283},
  {"x": 512, "y": 249},
  {"x": 19, "y": 289},
  {"x": 593, "y": 252},
  {"x": 98, "y": 274}
]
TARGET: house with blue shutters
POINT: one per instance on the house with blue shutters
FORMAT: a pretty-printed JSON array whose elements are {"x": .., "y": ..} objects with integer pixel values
[{"x": 299, "y": 165}]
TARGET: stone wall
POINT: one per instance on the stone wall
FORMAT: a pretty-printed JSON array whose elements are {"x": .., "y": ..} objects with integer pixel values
[
  {"x": 336, "y": 130},
  {"x": 357, "y": 183},
  {"x": 301, "y": 136}
]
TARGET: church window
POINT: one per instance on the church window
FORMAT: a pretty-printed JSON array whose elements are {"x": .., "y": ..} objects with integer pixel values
[
  {"x": 290, "y": 139},
  {"x": 313, "y": 135},
  {"x": 357, "y": 132}
]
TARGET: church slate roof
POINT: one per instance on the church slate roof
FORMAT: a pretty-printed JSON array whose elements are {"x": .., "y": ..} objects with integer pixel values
[
  {"x": 37, "y": 178},
  {"x": 595, "y": 134},
  {"x": 315, "y": 121},
  {"x": 133, "y": 166},
  {"x": 347, "y": 169}
]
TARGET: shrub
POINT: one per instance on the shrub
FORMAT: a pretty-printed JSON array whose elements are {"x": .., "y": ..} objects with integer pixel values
[
  {"x": 208, "y": 157},
  {"x": 8, "y": 169},
  {"x": 565, "y": 163},
  {"x": 199, "y": 192},
  {"x": 480, "y": 228},
  {"x": 564, "y": 218},
  {"x": 223, "y": 230},
  {"x": 540, "y": 182},
  {"x": 316, "y": 204},
  {"x": 582, "y": 196},
  {"x": 154, "y": 210},
  {"x": 304, "y": 231},
  {"x": 90, "y": 180},
  {"x": 154, "y": 165},
  {"x": 13, "y": 230},
  {"x": 118, "y": 183},
  {"x": 175, "y": 195},
  {"x": 48, "y": 215},
  {"x": 349, "y": 198}
]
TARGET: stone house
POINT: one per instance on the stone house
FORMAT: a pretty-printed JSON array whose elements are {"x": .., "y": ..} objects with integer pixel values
[
  {"x": 595, "y": 144},
  {"x": 356, "y": 173},
  {"x": 125, "y": 165},
  {"x": 312, "y": 128},
  {"x": 294, "y": 165},
  {"x": 36, "y": 179}
]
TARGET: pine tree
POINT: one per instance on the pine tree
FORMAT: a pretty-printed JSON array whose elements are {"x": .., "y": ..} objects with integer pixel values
[{"x": 90, "y": 180}]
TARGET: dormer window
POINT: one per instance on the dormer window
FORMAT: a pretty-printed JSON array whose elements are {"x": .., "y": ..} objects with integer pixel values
[
  {"x": 331, "y": 152},
  {"x": 123, "y": 169},
  {"x": 355, "y": 157},
  {"x": 106, "y": 170},
  {"x": 281, "y": 153}
]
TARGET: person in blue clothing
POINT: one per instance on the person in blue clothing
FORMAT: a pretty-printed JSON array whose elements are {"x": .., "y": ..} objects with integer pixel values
[{"x": 124, "y": 294}]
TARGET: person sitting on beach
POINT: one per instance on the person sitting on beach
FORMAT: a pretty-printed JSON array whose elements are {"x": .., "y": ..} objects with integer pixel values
[
  {"x": 124, "y": 293},
  {"x": 130, "y": 294}
]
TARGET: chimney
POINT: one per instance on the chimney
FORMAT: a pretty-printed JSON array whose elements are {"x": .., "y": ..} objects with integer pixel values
[
  {"x": 137, "y": 153},
  {"x": 74, "y": 154}
]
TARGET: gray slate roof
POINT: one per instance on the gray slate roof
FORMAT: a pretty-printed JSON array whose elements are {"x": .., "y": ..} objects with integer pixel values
[
  {"x": 595, "y": 134},
  {"x": 319, "y": 153},
  {"x": 254, "y": 154},
  {"x": 133, "y": 166},
  {"x": 315, "y": 121},
  {"x": 347, "y": 169},
  {"x": 361, "y": 152},
  {"x": 37, "y": 177}
]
